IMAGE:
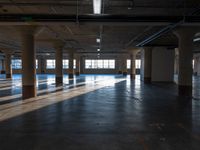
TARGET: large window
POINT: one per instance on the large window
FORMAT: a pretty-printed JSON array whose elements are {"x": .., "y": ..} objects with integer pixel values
[
  {"x": 16, "y": 63},
  {"x": 100, "y": 64},
  {"x": 51, "y": 63},
  {"x": 193, "y": 64},
  {"x": 66, "y": 64},
  {"x": 128, "y": 64},
  {"x": 137, "y": 64},
  {"x": 36, "y": 64}
]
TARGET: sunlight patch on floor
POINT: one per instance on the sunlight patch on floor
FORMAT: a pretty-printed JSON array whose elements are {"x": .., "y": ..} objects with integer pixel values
[{"x": 22, "y": 107}]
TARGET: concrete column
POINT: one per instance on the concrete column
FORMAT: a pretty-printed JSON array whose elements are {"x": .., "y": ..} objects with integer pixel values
[
  {"x": 59, "y": 63},
  {"x": 185, "y": 36},
  {"x": 133, "y": 53},
  {"x": 41, "y": 65},
  {"x": 82, "y": 64},
  {"x": 71, "y": 64},
  {"x": 147, "y": 64},
  {"x": 8, "y": 65},
  {"x": 28, "y": 61},
  {"x": 124, "y": 66},
  {"x": 77, "y": 64},
  {"x": 119, "y": 65},
  {"x": 176, "y": 61},
  {"x": 132, "y": 73},
  {"x": 3, "y": 64}
]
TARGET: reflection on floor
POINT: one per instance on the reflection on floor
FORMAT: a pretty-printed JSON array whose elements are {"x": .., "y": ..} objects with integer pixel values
[{"x": 101, "y": 112}]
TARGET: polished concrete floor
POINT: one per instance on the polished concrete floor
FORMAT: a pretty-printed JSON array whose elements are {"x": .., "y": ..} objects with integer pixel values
[{"x": 98, "y": 112}]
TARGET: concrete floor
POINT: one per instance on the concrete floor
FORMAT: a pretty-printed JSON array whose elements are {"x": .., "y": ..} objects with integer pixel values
[{"x": 98, "y": 112}]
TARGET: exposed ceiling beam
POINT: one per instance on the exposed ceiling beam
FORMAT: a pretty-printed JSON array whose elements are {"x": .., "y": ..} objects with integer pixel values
[{"x": 124, "y": 19}]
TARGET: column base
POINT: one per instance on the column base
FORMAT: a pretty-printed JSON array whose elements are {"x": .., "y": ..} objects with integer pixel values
[
  {"x": 185, "y": 90},
  {"x": 77, "y": 73},
  {"x": 71, "y": 75},
  {"x": 8, "y": 76},
  {"x": 59, "y": 81},
  {"x": 28, "y": 91},
  {"x": 132, "y": 76},
  {"x": 147, "y": 80},
  {"x": 125, "y": 73},
  {"x": 119, "y": 72}
]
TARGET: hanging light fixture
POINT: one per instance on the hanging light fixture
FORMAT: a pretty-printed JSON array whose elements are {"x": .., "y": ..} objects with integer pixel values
[{"x": 98, "y": 40}]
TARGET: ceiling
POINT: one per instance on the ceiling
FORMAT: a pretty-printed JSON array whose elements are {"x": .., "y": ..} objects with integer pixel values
[{"x": 114, "y": 37}]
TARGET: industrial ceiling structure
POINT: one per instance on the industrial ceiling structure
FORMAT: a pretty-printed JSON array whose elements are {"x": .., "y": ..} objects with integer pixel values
[{"x": 91, "y": 26}]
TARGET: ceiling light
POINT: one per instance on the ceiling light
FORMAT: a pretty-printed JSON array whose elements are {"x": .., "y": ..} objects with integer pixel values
[
  {"x": 98, "y": 40},
  {"x": 98, "y": 54},
  {"x": 97, "y": 6},
  {"x": 98, "y": 49},
  {"x": 196, "y": 39}
]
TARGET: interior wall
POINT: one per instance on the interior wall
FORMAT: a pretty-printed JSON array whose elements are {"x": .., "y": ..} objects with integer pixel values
[{"x": 162, "y": 64}]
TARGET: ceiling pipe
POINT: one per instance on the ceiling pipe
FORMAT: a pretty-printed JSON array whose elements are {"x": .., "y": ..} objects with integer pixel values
[
  {"x": 158, "y": 34},
  {"x": 168, "y": 28},
  {"x": 137, "y": 36}
]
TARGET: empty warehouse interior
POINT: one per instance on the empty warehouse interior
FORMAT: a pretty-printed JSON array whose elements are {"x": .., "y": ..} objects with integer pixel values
[{"x": 99, "y": 74}]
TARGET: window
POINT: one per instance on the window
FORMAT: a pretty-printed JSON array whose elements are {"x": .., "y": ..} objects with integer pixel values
[
  {"x": 16, "y": 63},
  {"x": 66, "y": 64},
  {"x": 128, "y": 64},
  {"x": 51, "y": 63},
  {"x": 36, "y": 64},
  {"x": 193, "y": 63},
  {"x": 99, "y": 64},
  {"x": 111, "y": 64},
  {"x": 137, "y": 64}
]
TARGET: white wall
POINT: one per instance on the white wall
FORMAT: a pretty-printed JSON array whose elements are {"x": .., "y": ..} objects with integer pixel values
[{"x": 162, "y": 64}]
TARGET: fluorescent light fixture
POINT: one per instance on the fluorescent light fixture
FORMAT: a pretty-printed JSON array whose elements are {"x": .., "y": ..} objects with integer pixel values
[
  {"x": 196, "y": 39},
  {"x": 98, "y": 40},
  {"x": 98, "y": 49},
  {"x": 97, "y": 6}
]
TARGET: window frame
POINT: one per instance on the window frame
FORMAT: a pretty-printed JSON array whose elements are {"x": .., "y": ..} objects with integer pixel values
[
  {"x": 137, "y": 64},
  {"x": 99, "y": 63},
  {"x": 53, "y": 64},
  {"x": 16, "y": 65}
]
